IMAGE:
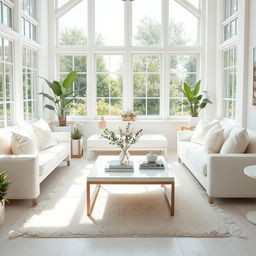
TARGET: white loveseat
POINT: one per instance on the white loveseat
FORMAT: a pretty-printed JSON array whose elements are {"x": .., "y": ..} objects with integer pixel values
[
  {"x": 222, "y": 175},
  {"x": 26, "y": 172}
]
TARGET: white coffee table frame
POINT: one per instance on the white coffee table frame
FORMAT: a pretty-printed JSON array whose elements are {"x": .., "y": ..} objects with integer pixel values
[
  {"x": 250, "y": 171},
  {"x": 98, "y": 177}
]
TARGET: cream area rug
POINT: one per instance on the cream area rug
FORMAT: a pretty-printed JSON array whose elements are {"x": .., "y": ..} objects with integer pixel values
[{"x": 125, "y": 210}]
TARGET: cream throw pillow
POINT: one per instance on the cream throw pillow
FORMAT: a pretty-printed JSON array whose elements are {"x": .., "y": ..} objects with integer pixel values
[
  {"x": 5, "y": 142},
  {"x": 201, "y": 130},
  {"x": 44, "y": 134},
  {"x": 236, "y": 142},
  {"x": 22, "y": 143},
  {"x": 214, "y": 140}
]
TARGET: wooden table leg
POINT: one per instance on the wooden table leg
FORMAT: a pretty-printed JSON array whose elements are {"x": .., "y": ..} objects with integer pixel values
[
  {"x": 172, "y": 198},
  {"x": 88, "y": 203}
]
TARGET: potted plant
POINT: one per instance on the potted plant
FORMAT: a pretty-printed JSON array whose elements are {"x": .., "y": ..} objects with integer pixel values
[
  {"x": 128, "y": 116},
  {"x": 77, "y": 143},
  {"x": 63, "y": 96},
  {"x": 194, "y": 101},
  {"x": 123, "y": 140},
  {"x": 3, "y": 192}
]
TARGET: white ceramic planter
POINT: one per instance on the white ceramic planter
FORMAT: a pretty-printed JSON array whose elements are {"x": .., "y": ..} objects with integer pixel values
[
  {"x": 77, "y": 148},
  {"x": 2, "y": 213},
  {"x": 67, "y": 128},
  {"x": 193, "y": 121}
]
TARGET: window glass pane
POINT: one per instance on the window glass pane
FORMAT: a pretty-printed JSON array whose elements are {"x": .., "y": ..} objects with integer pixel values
[
  {"x": 80, "y": 63},
  {"x": 26, "y": 6},
  {"x": 73, "y": 26},
  {"x": 146, "y": 27},
  {"x": 7, "y": 51},
  {"x": 33, "y": 8},
  {"x": 182, "y": 26},
  {"x": 109, "y": 27},
  {"x": 109, "y": 79},
  {"x": 66, "y": 63},
  {"x": 139, "y": 107},
  {"x": 7, "y": 15}
]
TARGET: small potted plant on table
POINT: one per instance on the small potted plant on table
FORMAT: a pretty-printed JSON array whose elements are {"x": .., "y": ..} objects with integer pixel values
[
  {"x": 3, "y": 192},
  {"x": 76, "y": 143},
  {"x": 128, "y": 116}
]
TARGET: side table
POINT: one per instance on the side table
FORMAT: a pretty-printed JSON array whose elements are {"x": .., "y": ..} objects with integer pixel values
[
  {"x": 250, "y": 171},
  {"x": 187, "y": 128}
]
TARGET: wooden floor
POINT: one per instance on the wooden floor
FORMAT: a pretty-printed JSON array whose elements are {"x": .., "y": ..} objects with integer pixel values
[{"x": 237, "y": 208}]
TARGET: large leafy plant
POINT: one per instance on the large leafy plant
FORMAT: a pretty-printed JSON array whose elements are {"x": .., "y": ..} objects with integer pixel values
[
  {"x": 194, "y": 101},
  {"x": 63, "y": 96},
  {"x": 3, "y": 186}
]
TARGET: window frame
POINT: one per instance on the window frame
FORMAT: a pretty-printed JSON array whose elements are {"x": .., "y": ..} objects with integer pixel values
[{"x": 11, "y": 6}]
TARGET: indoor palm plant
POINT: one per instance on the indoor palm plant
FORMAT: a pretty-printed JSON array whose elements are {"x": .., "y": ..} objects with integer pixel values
[
  {"x": 77, "y": 143},
  {"x": 63, "y": 96},
  {"x": 194, "y": 101},
  {"x": 3, "y": 192},
  {"x": 123, "y": 140}
]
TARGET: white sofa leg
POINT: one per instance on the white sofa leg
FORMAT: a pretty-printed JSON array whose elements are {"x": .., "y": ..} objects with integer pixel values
[
  {"x": 34, "y": 202},
  {"x": 211, "y": 200},
  {"x": 68, "y": 162}
]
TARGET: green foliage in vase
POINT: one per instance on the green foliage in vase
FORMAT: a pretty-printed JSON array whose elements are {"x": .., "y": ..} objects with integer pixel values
[
  {"x": 3, "y": 186},
  {"x": 63, "y": 96},
  {"x": 76, "y": 134},
  {"x": 124, "y": 139},
  {"x": 194, "y": 101}
]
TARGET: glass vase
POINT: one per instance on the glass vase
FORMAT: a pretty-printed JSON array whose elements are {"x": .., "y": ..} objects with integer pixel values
[{"x": 124, "y": 157}]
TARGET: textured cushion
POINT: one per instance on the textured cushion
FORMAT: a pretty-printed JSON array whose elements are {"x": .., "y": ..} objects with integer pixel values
[
  {"x": 252, "y": 143},
  {"x": 201, "y": 130},
  {"x": 44, "y": 134},
  {"x": 50, "y": 158},
  {"x": 214, "y": 140},
  {"x": 237, "y": 142},
  {"x": 5, "y": 142},
  {"x": 22, "y": 143}
]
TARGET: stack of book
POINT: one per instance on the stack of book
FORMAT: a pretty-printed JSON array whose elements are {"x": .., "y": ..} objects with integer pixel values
[
  {"x": 116, "y": 166},
  {"x": 152, "y": 165}
]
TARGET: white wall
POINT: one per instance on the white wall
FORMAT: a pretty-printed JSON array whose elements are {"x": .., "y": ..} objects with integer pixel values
[{"x": 251, "y": 110}]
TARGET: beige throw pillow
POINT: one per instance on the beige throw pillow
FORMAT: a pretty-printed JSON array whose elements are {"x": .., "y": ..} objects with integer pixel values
[
  {"x": 44, "y": 134},
  {"x": 22, "y": 143},
  {"x": 214, "y": 140},
  {"x": 236, "y": 142},
  {"x": 5, "y": 142},
  {"x": 201, "y": 130}
]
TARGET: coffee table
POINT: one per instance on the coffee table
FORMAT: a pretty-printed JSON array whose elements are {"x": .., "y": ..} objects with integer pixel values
[{"x": 98, "y": 177}]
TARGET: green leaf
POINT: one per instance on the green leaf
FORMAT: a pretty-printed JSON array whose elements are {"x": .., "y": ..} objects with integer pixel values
[
  {"x": 49, "y": 107},
  {"x": 202, "y": 105},
  {"x": 197, "y": 88},
  {"x": 47, "y": 96},
  {"x": 65, "y": 95},
  {"x": 55, "y": 87},
  {"x": 71, "y": 77},
  {"x": 189, "y": 93},
  {"x": 207, "y": 101}
]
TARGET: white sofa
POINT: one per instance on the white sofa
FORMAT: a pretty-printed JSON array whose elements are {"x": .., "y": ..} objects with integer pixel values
[
  {"x": 222, "y": 175},
  {"x": 26, "y": 172}
]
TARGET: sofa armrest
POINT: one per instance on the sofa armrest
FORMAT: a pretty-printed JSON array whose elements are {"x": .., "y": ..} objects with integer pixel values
[
  {"x": 23, "y": 172},
  {"x": 62, "y": 136},
  {"x": 184, "y": 135},
  {"x": 225, "y": 175}
]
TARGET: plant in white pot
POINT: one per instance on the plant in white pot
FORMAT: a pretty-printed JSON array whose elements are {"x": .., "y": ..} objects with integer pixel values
[
  {"x": 77, "y": 143},
  {"x": 62, "y": 97},
  {"x": 3, "y": 192},
  {"x": 194, "y": 101}
]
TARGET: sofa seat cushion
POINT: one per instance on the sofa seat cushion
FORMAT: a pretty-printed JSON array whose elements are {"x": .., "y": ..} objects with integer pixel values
[
  {"x": 51, "y": 157},
  {"x": 194, "y": 155}
]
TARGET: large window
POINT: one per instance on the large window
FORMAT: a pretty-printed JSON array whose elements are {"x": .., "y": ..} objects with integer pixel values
[
  {"x": 109, "y": 77},
  {"x": 146, "y": 85},
  {"x": 6, "y": 83},
  {"x": 128, "y": 45},
  {"x": 79, "y": 64},
  {"x": 30, "y": 79},
  {"x": 29, "y": 19},
  {"x": 6, "y": 14},
  {"x": 183, "y": 68},
  {"x": 229, "y": 83}
]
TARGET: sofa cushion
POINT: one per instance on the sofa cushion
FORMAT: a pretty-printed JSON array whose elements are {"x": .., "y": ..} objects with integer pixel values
[
  {"x": 23, "y": 143},
  {"x": 237, "y": 142},
  {"x": 5, "y": 141},
  {"x": 44, "y": 134},
  {"x": 51, "y": 157},
  {"x": 252, "y": 142},
  {"x": 201, "y": 130},
  {"x": 214, "y": 140}
]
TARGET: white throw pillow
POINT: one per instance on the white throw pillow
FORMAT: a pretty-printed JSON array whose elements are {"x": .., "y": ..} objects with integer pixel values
[
  {"x": 44, "y": 134},
  {"x": 236, "y": 142},
  {"x": 22, "y": 143},
  {"x": 5, "y": 141},
  {"x": 201, "y": 130},
  {"x": 214, "y": 140}
]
